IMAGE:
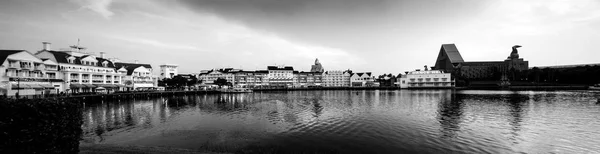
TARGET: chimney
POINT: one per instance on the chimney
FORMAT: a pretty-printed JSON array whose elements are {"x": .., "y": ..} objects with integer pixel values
[
  {"x": 426, "y": 68},
  {"x": 46, "y": 46},
  {"x": 136, "y": 61},
  {"x": 102, "y": 54}
]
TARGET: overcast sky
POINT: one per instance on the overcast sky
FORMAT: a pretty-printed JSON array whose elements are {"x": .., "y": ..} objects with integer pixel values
[{"x": 381, "y": 36}]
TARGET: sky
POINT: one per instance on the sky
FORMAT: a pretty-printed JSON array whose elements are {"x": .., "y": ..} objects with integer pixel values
[{"x": 379, "y": 36}]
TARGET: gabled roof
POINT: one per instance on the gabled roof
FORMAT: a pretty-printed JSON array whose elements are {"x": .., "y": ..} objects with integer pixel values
[
  {"x": 131, "y": 66},
  {"x": 361, "y": 74},
  {"x": 452, "y": 52},
  {"x": 5, "y": 53}
]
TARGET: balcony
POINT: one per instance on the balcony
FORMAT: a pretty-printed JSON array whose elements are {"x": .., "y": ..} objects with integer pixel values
[
  {"x": 26, "y": 67},
  {"x": 51, "y": 69},
  {"x": 14, "y": 65},
  {"x": 39, "y": 68}
]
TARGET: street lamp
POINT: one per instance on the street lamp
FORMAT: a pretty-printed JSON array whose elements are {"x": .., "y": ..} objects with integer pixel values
[{"x": 18, "y": 85}]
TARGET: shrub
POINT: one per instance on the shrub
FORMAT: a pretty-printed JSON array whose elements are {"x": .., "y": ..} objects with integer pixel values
[{"x": 40, "y": 125}]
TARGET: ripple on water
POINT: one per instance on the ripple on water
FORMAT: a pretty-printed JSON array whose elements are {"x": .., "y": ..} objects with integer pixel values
[{"x": 403, "y": 121}]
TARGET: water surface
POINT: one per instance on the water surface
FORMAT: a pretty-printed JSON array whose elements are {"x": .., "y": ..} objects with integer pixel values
[{"x": 415, "y": 121}]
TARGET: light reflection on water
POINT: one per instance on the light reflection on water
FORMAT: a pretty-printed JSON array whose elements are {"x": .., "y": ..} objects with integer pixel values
[{"x": 426, "y": 121}]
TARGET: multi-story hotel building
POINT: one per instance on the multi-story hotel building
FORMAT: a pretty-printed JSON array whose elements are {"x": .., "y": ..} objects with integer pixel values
[
  {"x": 26, "y": 74},
  {"x": 168, "y": 71},
  {"x": 138, "y": 77},
  {"x": 337, "y": 78},
  {"x": 307, "y": 79},
  {"x": 280, "y": 76},
  {"x": 84, "y": 72},
  {"x": 209, "y": 76},
  {"x": 426, "y": 79},
  {"x": 251, "y": 79},
  {"x": 362, "y": 80}
]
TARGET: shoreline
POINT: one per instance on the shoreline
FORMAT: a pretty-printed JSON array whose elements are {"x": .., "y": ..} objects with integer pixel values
[
  {"x": 90, "y": 148},
  {"x": 147, "y": 94}
]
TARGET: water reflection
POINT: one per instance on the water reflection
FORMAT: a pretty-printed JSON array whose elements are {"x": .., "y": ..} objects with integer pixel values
[
  {"x": 449, "y": 114},
  {"x": 516, "y": 103},
  {"x": 428, "y": 121}
]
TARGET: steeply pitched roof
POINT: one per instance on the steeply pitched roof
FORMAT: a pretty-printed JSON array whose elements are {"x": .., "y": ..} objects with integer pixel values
[
  {"x": 130, "y": 66},
  {"x": 102, "y": 60},
  {"x": 452, "y": 52},
  {"x": 5, "y": 53},
  {"x": 61, "y": 57}
]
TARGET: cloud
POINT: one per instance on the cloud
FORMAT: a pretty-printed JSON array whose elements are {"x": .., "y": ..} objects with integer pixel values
[
  {"x": 534, "y": 17},
  {"x": 101, "y": 7},
  {"x": 154, "y": 43}
]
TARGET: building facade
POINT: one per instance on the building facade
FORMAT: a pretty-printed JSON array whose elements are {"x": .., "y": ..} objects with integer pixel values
[
  {"x": 251, "y": 79},
  {"x": 138, "y": 76},
  {"x": 26, "y": 74},
  {"x": 280, "y": 76},
  {"x": 362, "y": 80},
  {"x": 337, "y": 78},
  {"x": 449, "y": 60},
  {"x": 426, "y": 79},
  {"x": 168, "y": 71},
  {"x": 83, "y": 72},
  {"x": 307, "y": 79},
  {"x": 209, "y": 76}
]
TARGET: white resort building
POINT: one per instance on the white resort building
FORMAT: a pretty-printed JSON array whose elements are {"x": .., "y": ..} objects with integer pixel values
[
  {"x": 362, "y": 80},
  {"x": 83, "y": 72},
  {"x": 280, "y": 76},
  {"x": 209, "y": 76},
  {"x": 26, "y": 74},
  {"x": 168, "y": 71},
  {"x": 426, "y": 79},
  {"x": 337, "y": 78},
  {"x": 139, "y": 76}
]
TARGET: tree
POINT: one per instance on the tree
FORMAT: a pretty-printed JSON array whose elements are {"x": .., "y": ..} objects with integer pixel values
[{"x": 222, "y": 82}]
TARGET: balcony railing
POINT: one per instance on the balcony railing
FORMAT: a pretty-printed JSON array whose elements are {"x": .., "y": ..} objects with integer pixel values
[{"x": 26, "y": 67}]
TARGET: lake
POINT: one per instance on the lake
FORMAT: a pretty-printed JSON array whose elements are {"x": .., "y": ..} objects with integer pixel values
[{"x": 346, "y": 121}]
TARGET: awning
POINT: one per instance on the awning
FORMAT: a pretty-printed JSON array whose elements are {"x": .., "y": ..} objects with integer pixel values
[
  {"x": 77, "y": 85},
  {"x": 109, "y": 86},
  {"x": 120, "y": 85},
  {"x": 36, "y": 86},
  {"x": 47, "y": 86},
  {"x": 89, "y": 85},
  {"x": 20, "y": 86}
]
